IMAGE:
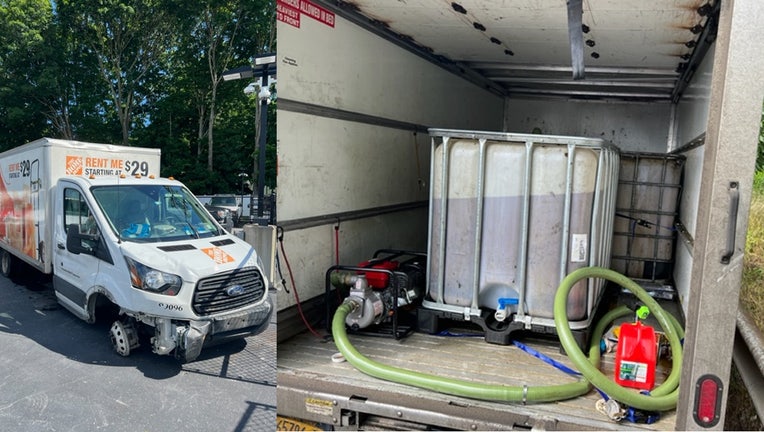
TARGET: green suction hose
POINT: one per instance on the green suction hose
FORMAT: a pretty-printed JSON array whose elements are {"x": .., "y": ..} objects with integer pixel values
[
  {"x": 467, "y": 388},
  {"x": 665, "y": 396},
  {"x": 450, "y": 386},
  {"x": 525, "y": 394}
]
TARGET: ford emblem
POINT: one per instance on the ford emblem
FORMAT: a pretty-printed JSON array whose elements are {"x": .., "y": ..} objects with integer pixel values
[{"x": 234, "y": 290}]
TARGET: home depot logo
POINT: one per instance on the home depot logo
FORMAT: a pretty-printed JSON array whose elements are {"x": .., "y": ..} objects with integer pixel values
[
  {"x": 74, "y": 165},
  {"x": 218, "y": 255}
]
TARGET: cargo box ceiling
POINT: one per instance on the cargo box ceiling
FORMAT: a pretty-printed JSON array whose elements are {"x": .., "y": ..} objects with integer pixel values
[{"x": 614, "y": 49}]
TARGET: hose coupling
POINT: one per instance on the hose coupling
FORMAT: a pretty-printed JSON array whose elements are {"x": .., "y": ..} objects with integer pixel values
[
  {"x": 353, "y": 302},
  {"x": 612, "y": 409}
]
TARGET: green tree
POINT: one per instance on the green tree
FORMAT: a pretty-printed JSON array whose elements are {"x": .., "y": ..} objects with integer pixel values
[
  {"x": 226, "y": 33},
  {"x": 70, "y": 88},
  {"x": 207, "y": 117},
  {"x": 23, "y": 24},
  {"x": 145, "y": 72},
  {"x": 130, "y": 40}
]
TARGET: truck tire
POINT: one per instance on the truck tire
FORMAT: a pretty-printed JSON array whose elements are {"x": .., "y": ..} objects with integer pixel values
[{"x": 8, "y": 264}]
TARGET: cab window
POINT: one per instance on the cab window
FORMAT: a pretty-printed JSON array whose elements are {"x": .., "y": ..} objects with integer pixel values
[{"x": 76, "y": 211}]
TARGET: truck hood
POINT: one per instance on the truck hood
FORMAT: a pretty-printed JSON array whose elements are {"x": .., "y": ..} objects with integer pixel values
[{"x": 194, "y": 259}]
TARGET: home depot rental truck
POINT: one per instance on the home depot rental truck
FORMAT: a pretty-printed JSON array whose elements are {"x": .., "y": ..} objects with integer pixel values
[
  {"x": 119, "y": 241},
  {"x": 422, "y": 125}
]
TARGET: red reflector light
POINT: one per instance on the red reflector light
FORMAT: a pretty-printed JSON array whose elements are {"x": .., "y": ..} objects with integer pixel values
[{"x": 708, "y": 400}]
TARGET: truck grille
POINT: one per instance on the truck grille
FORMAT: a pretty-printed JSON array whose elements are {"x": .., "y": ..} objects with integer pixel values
[{"x": 228, "y": 291}]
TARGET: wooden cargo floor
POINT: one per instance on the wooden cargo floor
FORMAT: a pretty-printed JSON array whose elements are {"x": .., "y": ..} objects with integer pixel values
[{"x": 306, "y": 374}]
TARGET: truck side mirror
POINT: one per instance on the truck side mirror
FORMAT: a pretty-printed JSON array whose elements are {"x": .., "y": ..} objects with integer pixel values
[{"x": 77, "y": 242}]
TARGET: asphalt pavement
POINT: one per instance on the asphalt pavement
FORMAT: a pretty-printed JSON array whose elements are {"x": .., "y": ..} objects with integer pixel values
[{"x": 59, "y": 373}]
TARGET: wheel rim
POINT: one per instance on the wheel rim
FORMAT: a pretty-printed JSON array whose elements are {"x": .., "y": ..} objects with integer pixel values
[{"x": 120, "y": 338}]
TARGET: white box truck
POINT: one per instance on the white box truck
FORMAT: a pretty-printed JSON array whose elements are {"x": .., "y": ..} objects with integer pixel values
[
  {"x": 120, "y": 241},
  {"x": 361, "y": 85}
]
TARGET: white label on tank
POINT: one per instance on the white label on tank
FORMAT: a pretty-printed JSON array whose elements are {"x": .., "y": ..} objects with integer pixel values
[{"x": 579, "y": 247}]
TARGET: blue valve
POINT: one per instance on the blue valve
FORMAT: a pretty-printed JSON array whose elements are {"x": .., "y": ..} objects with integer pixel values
[{"x": 501, "y": 310}]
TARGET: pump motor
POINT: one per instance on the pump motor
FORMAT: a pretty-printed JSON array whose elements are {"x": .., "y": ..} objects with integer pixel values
[{"x": 380, "y": 289}]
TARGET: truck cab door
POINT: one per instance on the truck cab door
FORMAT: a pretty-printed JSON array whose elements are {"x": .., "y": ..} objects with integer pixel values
[{"x": 80, "y": 250}]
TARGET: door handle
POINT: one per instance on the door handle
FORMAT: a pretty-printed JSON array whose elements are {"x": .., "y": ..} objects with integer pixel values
[
  {"x": 734, "y": 191},
  {"x": 61, "y": 245}
]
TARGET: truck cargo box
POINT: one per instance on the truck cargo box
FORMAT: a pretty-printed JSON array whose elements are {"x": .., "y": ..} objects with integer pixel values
[
  {"x": 361, "y": 83},
  {"x": 29, "y": 172}
]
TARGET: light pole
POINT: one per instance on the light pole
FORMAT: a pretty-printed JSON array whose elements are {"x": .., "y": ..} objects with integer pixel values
[
  {"x": 265, "y": 67},
  {"x": 243, "y": 176}
]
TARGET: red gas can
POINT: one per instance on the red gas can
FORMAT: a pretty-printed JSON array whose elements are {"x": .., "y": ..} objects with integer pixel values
[{"x": 636, "y": 356}]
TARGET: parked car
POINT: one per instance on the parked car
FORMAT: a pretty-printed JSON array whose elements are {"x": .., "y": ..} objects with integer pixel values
[
  {"x": 227, "y": 202},
  {"x": 222, "y": 215}
]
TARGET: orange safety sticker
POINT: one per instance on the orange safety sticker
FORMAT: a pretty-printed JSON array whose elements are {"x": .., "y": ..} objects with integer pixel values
[{"x": 218, "y": 255}]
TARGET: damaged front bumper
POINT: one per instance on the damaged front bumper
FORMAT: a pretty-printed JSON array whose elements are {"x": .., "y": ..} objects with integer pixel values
[
  {"x": 187, "y": 338},
  {"x": 222, "y": 329}
]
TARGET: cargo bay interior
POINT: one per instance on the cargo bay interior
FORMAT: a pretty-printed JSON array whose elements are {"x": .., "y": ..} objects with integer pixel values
[{"x": 359, "y": 93}]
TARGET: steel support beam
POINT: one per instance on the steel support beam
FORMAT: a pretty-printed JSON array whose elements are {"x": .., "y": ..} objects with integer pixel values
[{"x": 576, "y": 36}]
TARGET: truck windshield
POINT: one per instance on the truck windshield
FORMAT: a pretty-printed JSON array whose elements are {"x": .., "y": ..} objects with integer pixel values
[{"x": 154, "y": 213}]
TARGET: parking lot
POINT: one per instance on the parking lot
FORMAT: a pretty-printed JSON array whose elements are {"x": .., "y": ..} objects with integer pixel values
[{"x": 58, "y": 373}]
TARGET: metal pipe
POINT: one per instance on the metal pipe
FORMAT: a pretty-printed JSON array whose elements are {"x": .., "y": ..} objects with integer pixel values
[
  {"x": 569, "y": 69},
  {"x": 643, "y": 95},
  {"x": 752, "y": 336},
  {"x": 480, "y": 192},
  {"x": 628, "y": 82},
  {"x": 748, "y": 355},
  {"x": 657, "y": 230},
  {"x": 596, "y": 245},
  {"x": 333, "y": 218},
  {"x": 632, "y": 205},
  {"x": 430, "y": 217},
  {"x": 444, "y": 179},
  {"x": 261, "y": 149},
  {"x": 345, "y": 115},
  {"x": 565, "y": 241},
  {"x": 524, "y": 232}
]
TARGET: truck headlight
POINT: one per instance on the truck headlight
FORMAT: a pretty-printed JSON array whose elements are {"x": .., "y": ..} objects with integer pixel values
[{"x": 146, "y": 278}]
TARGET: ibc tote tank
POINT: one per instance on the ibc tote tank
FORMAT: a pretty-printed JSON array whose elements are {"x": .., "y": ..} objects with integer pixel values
[{"x": 510, "y": 216}]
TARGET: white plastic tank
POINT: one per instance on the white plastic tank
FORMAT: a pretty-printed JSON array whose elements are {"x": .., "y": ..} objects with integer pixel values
[{"x": 511, "y": 215}]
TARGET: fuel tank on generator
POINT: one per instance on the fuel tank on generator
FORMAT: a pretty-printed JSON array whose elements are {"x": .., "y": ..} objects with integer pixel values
[{"x": 510, "y": 216}]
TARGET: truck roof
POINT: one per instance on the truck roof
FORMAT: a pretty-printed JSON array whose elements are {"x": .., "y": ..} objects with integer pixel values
[
  {"x": 624, "y": 50},
  {"x": 111, "y": 180},
  {"x": 82, "y": 145}
]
